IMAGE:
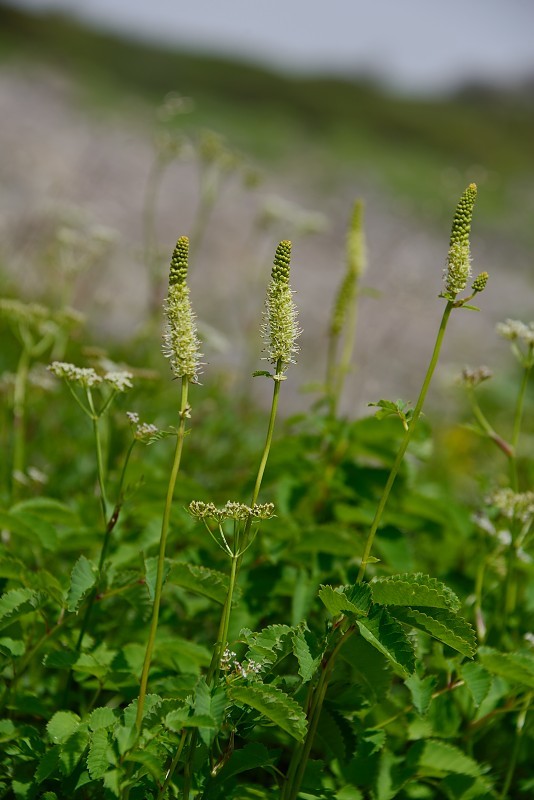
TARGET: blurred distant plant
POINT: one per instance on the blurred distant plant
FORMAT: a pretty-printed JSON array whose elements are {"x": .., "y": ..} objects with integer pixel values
[{"x": 38, "y": 331}]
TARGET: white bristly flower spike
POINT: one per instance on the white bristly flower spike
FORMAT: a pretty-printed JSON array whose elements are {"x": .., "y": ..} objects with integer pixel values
[
  {"x": 180, "y": 340},
  {"x": 280, "y": 328}
]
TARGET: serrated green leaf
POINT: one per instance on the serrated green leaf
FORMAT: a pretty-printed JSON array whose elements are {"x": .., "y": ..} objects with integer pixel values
[
  {"x": 103, "y": 717},
  {"x": 47, "y": 765},
  {"x": 413, "y": 590},
  {"x": 72, "y": 750},
  {"x": 513, "y": 667},
  {"x": 438, "y": 758},
  {"x": 464, "y": 787},
  {"x": 61, "y": 659},
  {"x": 98, "y": 761},
  {"x": 201, "y": 580},
  {"x": 269, "y": 644},
  {"x": 42, "y": 531},
  {"x": 151, "y": 569},
  {"x": 477, "y": 680},
  {"x": 354, "y": 599},
  {"x": 370, "y": 668},
  {"x": 210, "y": 702},
  {"x": 333, "y": 735},
  {"x": 301, "y": 650},
  {"x": 421, "y": 691},
  {"x": 12, "y": 647},
  {"x": 15, "y": 604},
  {"x": 62, "y": 725},
  {"x": 181, "y": 718},
  {"x": 150, "y": 761},
  {"x": 444, "y": 625},
  {"x": 82, "y": 579},
  {"x": 385, "y": 633},
  {"x": 273, "y": 704},
  {"x": 30, "y": 528}
]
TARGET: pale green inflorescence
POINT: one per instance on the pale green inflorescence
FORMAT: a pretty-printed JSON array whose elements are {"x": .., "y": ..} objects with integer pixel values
[
  {"x": 180, "y": 340},
  {"x": 356, "y": 266},
  {"x": 280, "y": 328},
  {"x": 458, "y": 269}
]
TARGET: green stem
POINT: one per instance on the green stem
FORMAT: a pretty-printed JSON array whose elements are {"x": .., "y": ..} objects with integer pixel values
[
  {"x": 174, "y": 764},
  {"x": 482, "y": 420},
  {"x": 236, "y": 565},
  {"x": 346, "y": 353},
  {"x": 406, "y": 439},
  {"x": 161, "y": 556},
  {"x": 301, "y": 753},
  {"x": 520, "y": 726}
]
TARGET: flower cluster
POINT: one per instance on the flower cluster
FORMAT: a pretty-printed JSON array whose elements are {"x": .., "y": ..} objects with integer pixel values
[
  {"x": 229, "y": 663},
  {"x": 143, "y": 431},
  {"x": 471, "y": 378},
  {"x": 515, "y": 330},
  {"x": 180, "y": 340},
  {"x": 118, "y": 380},
  {"x": 518, "y": 505},
  {"x": 280, "y": 328},
  {"x": 231, "y": 510}
]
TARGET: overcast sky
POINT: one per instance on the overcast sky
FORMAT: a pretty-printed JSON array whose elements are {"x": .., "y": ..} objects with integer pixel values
[{"x": 417, "y": 45}]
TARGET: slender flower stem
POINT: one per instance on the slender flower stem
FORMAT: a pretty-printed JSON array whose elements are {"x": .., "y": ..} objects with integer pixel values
[
  {"x": 236, "y": 564},
  {"x": 406, "y": 440},
  {"x": 482, "y": 420},
  {"x": 346, "y": 355},
  {"x": 161, "y": 556}
]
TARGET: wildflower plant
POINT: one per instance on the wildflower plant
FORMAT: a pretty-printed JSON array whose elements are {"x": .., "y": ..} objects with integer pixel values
[{"x": 193, "y": 682}]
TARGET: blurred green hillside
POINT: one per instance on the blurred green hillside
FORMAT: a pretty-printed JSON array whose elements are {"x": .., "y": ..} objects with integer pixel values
[{"x": 421, "y": 150}]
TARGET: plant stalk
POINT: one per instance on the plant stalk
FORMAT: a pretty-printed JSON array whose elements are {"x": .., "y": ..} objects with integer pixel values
[
  {"x": 406, "y": 440},
  {"x": 161, "y": 555}
]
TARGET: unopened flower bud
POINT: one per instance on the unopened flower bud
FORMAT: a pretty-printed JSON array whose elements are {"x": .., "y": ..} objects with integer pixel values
[
  {"x": 180, "y": 340},
  {"x": 480, "y": 282}
]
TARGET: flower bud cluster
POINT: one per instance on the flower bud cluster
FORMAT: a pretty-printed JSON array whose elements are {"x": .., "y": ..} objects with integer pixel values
[
  {"x": 180, "y": 340},
  {"x": 280, "y": 328},
  {"x": 231, "y": 510}
]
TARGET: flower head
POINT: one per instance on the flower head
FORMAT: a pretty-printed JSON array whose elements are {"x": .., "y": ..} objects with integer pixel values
[
  {"x": 458, "y": 268},
  {"x": 180, "y": 340},
  {"x": 280, "y": 328}
]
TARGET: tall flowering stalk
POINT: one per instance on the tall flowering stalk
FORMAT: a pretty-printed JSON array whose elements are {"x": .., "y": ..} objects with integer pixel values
[
  {"x": 181, "y": 347},
  {"x": 457, "y": 274},
  {"x": 343, "y": 320},
  {"x": 280, "y": 331}
]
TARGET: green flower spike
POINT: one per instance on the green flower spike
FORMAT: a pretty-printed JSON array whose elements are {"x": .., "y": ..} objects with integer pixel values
[
  {"x": 280, "y": 328},
  {"x": 458, "y": 269},
  {"x": 180, "y": 340}
]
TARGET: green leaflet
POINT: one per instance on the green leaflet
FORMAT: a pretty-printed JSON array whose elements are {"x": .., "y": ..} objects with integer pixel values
[
  {"x": 31, "y": 528},
  {"x": 387, "y": 635},
  {"x": 62, "y": 725},
  {"x": 15, "y": 604},
  {"x": 301, "y": 650},
  {"x": 438, "y": 758},
  {"x": 82, "y": 579},
  {"x": 477, "y": 680},
  {"x": 269, "y": 644},
  {"x": 413, "y": 590},
  {"x": 98, "y": 761},
  {"x": 421, "y": 691},
  {"x": 347, "y": 599},
  {"x": 514, "y": 667},
  {"x": 273, "y": 704},
  {"x": 441, "y": 623}
]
